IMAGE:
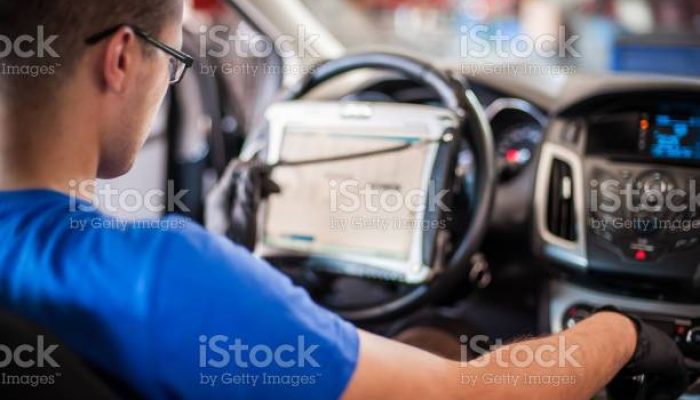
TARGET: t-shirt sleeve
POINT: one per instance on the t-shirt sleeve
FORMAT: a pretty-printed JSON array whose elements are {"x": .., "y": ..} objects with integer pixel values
[{"x": 225, "y": 324}]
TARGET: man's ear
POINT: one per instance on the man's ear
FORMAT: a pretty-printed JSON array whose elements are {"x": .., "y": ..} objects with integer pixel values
[{"x": 119, "y": 59}]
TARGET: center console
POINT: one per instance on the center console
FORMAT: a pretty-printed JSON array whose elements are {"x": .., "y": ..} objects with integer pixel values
[
  {"x": 618, "y": 210},
  {"x": 642, "y": 200},
  {"x": 618, "y": 192}
]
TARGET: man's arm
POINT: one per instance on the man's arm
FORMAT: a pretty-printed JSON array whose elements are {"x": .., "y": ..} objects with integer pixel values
[{"x": 598, "y": 348}]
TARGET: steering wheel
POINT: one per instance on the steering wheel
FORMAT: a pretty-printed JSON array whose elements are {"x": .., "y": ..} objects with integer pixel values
[{"x": 474, "y": 128}]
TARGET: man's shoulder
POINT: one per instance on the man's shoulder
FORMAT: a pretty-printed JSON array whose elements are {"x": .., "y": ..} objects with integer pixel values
[{"x": 50, "y": 225}]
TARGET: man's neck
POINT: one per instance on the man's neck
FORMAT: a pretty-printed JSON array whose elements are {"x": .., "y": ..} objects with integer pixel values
[{"x": 46, "y": 149}]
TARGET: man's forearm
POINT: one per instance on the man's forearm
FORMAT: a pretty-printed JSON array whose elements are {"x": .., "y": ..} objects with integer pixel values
[
  {"x": 571, "y": 365},
  {"x": 574, "y": 364}
]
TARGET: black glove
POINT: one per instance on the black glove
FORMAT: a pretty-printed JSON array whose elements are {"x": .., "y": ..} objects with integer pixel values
[
  {"x": 232, "y": 206},
  {"x": 658, "y": 359}
]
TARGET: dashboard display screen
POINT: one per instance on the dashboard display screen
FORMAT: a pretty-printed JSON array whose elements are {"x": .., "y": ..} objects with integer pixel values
[
  {"x": 640, "y": 136},
  {"x": 673, "y": 137}
]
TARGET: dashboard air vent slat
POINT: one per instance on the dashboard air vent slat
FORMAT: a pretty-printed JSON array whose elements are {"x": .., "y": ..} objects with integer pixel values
[{"x": 561, "y": 215}]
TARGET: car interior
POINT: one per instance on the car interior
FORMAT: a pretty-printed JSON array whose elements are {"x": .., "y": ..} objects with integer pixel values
[{"x": 540, "y": 179}]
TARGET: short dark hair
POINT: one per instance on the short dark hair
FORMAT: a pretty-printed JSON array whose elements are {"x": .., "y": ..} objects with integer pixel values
[{"x": 69, "y": 23}]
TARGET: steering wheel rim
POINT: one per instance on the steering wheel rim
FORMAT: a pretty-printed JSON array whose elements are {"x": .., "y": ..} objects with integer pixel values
[{"x": 473, "y": 126}]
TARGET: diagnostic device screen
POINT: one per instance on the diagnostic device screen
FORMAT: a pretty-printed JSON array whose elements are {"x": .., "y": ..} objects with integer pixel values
[{"x": 367, "y": 207}]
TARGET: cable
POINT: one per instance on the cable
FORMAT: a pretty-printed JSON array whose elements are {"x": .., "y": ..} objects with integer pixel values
[{"x": 364, "y": 154}]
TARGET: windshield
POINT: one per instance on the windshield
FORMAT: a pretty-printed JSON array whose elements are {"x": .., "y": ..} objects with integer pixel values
[{"x": 658, "y": 36}]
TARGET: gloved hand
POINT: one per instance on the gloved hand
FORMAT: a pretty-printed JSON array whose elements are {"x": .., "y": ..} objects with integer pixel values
[
  {"x": 232, "y": 206},
  {"x": 658, "y": 359}
]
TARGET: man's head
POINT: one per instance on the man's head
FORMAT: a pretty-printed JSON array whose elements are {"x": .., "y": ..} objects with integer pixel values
[{"x": 120, "y": 80}]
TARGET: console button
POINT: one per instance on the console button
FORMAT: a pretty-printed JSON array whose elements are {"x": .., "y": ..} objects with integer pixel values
[
  {"x": 641, "y": 255},
  {"x": 576, "y": 314},
  {"x": 655, "y": 182},
  {"x": 693, "y": 336},
  {"x": 685, "y": 243},
  {"x": 642, "y": 250}
]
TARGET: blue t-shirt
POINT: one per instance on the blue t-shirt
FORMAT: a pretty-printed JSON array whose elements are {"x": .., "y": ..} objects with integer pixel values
[{"x": 167, "y": 307}]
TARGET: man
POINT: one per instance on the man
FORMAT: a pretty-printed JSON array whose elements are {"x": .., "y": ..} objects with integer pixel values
[{"x": 174, "y": 311}]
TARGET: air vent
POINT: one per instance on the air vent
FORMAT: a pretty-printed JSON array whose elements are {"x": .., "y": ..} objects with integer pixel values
[{"x": 561, "y": 212}]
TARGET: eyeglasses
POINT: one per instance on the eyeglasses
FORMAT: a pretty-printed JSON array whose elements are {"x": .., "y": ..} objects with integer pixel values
[{"x": 179, "y": 62}]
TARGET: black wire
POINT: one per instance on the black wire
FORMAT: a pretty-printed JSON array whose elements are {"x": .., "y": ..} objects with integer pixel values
[{"x": 353, "y": 156}]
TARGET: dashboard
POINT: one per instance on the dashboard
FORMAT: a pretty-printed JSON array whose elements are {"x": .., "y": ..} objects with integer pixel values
[
  {"x": 557, "y": 142},
  {"x": 616, "y": 189},
  {"x": 590, "y": 171},
  {"x": 615, "y": 210},
  {"x": 598, "y": 177}
]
